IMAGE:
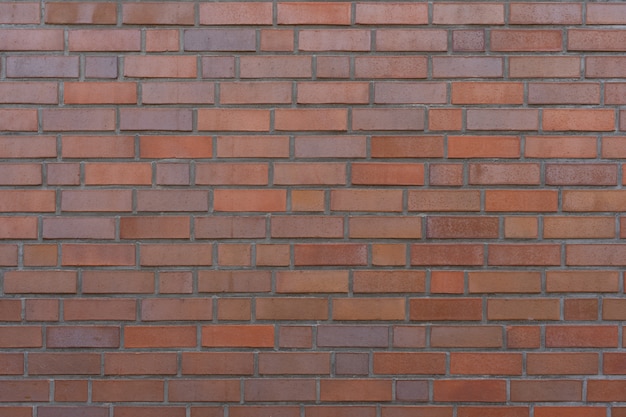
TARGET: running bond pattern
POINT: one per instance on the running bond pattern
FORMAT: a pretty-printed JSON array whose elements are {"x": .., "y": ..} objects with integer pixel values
[{"x": 372, "y": 209}]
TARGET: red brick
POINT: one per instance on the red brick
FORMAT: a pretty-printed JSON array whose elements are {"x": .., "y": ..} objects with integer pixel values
[
  {"x": 368, "y": 308},
  {"x": 495, "y": 411},
  {"x": 445, "y": 119},
  {"x": 524, "y": 254},
  {"x": 144, "y": 363},
  {"x": 176, "y": 255},
  {"x": 63, "y": 174},
  {"x": 413, "y": 363},
  {"x": 198, "y": 390},
  {"x": 162, "y": 40},
  {"x": 78, "y": 228},
  {"x": 99, "y": 93},
  {"x": 97, "y": 254},
  {"x": 301, "y": 363},
  {"x": 387, "y": 174},
  {"x": 273, "y": 255},
  {"x": 27, "y": 146},
  {"x": 510, "y": 173},
  {"x": 42, "y": 66},
  {"x": 447, "y": 282},
  {"x": 504, "y": 282},
  {"x": 31, "y": 40},
  {"x": 234, "y": 119},
  {"x": 229, "y": 227},
  {"x": 219, "y": 40},
  {"x": 402, "y": 92},
  {"x": 579, "y": 119},
  {"x": 409, "y": 410},
  {"x": 217, "y": 363},
  {"x": 580, "y": 309},
  {"x": 366, "y": 227},
  {"x": 353, "y": 390},
  {"x": 578, "y": 227},
  {"x": 144, "y": 411},
  {"x": 276, "y": 389},
  {"x": 278, "y": 40},
  {"x": 172, "y": 200},
  {"x": 352, "y": 336},
  {"x": 278, "y": 66},
  {"x": 101, "y": 40},
  {"x": 487, "y": 93},
  {"x": 97, "y": 146},
  {"x": 160, "y": 336},
  {"x": 483, "y": 147},
  {"x": 162, "y": 66},
  {"x": 470, "y": 390},
  {"x": 65, "y": 13},
  {"x": 232, "y": 13},
  {"x": 311, "y": 282},
  {"x": 19, "y": 13},
  {"x": 544, "y": 67},
  {"x": 390, "y": 67},
  {"x": 563, "y": 93},
  {"x": 117, "y": 282},
  {"x": 521, "y": 200},
  {"x": 606, "y": 14},
  {"x": 78, "y": 119},
  {"x": 447, "y": 254},
  {"x": 593, "y": 255},
  {"x": 83, "y": 337},
  {"x": 238, "y": 336},
  {"x": 462, "y": 227},
  {"x": 409, "y": 336},
  {"x": 96, "y": 200},
  {"x": 463, "y": 363},
  {"x": 218, "y": 66},
  {"x": 63, "y": 363},
  {"x": 562, "y": 363},
  {"x": 331, "y": 40},
  {"x": 605, "y": 67},
  {"x": 507, "y": 40},
  {"x": 261, "y": 200},
  {"x": 518, "y": 227},
  {"x": 175, "y": 309},
  {"x": 306, "y": 226},
  {"x": 330, "y": 147},
  {"x": 467, "y": 67},
  {"x": 175, "y": 147},
  {"x": 581, "y": 336},
  {"x": 24, "y": 391},
  {"x": 389, "y": 255},
  {"x": 464, "y": 14},
  {"x": 449, "y": 309},
  {"x": 127, "y": 390},
  {"x": 391, "y": 14},
  {"x": 147, "y": 13},
  {"x": 407, "y": 146},
  {"x": 502, "y": 119},
  {"x": 561, "y": 147},
  {"x": 309, "y": 173},
  {"x": 12, "y": 363},
  {"x": 15, "y": 120},
  {"x": 20, "y": 174},
  {"x": 468, "y": 40},
  {"x": 593, "y": 200},
  {"x": 118, "y": 173},
  {"x": 547, "y": 390},
  {"x": 179, "y": 93},
  {"x": 444, "y": 200},
  {"x": 388, "y": 119},
  {"x": 28, "y": 92},
  {"x": 330, "y": 254},
  {"x": 546, "y": 14},
  {"x": 175, "y": 282},
  {"x": 40, "y": 282},
  {"x": 154, "y": 227},
  {"x": 523, "y": 309},
  {"x": 400, "y": 40},
  {"x": 467, "y": 337},
  {"x": 306, "y": 13},
  {"x": 595, "y": 40},
  {"x": 172, "y": 174}
]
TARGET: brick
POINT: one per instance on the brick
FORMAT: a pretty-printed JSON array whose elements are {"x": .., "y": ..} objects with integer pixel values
[
  {"x": 252, "y": 146},
  {"x": 127, "y": 390},
  {"x": 606, "y": 14},
  {"x": 521, "y": 200},
  {"x": 401, "y": 93},
  {"x": 9, "y": 255},
  {"x": 546, "y": 14},
  {"x": 78, "y": 228},
  {"x": 27, "y": 146},
  {"x": 12, "y": 364},
  {"x": 252, "y": 200},
  {"x": 365, "y": 200},
  {"x": 213, "y": 390},
  {"x": 21, "y": 391},
  {"x": 172, "y": 66},
  {"x": 229, "y": 227},
  {"x": 523, "y": 309},
  {"x": 175, "y": 309},
  {"x": 311, "y": 119},
  {"x": 144, "y": 363},
  {"x": 579, "y": 120},
  {"x": 255, "y": 93},
  {"x": 593, "y": 255},
  {"x": 65, "y": 13},
  {"x": 495, "y": 411},
  {"x": 504, "y": 282},
  {"x": 448, "y": 309},
  {"x": 277, "y": 40},
  {"x": 99, "y": 93},
  {"x": 490, "y": 390},
  {"x": 175, "y": 283},
  {"x": 332, "y": 92},
  {"x": 307, "y": 227},
  {"x": 390, "y": 67},
  {"x": 83, "y": 337},
  {"x": 275, "y": 66},
  {"x": 63, "y": 364},
  {"x": 311, "y": 282},
  {"x": 402, "y": 363},
  {"x": 144, "y": 411},
  {"x": 508, "y": 40},
  {"x": 483, "y": 147},
  {"x": 447, "y": 254},
  {"x": 63, "y": 174},
  {"x": 28, "y": 93},
  {"x": 219, "y": 40},
  {"x": 158, "y": 14},
  {"x": 447, "y": 282},
  {"x": 279, "y": 389},
  {"x": 388, "y": 119},
  {"x": 118, "y": 282},
  {"x": 364, "y": 227},
  {"x": 234, "y": 309},
  {"x": 162, "y": 40},
  {"x": 217, "y": 363},
  {"x": 10, "y": 310},
  {"x": 355, "y": 390},
  {"x": 580, "y": 309},
  {"x": 487, "y": 93},
  {"x": 547, "y": 390},
  {"x": 179, "y": 93},
  {"x": 275, "y": 363},
  {"x": 218, "y": 67},
  {"x": 468, "y": 40},
  {"x": 330, "y": 254},
  {"x": 82, "y": 147},
  {"x": 464, "y": 14},
  {"x": 238, "y": 336},
  {"x": 561, "y": 147},
  {"x": 118, "y": 173},
  {"x": 96, "y": 200},
  {"x": 595, "y": 40},
  {"x": 175, "y": 147},
  {"x": 593, "y": 200},
  {"x": 309, "y": 13},
  {"x": 352, "y": 336},
  {"x": 152, "y": 227},
  {"x": 156, "y": 119},
  {"x": 31, "y": 40},
  {"x": 330, "y": 147},
  {"x": 510, "y": 173},
  {"x": 234, "y": 254},
  {"x": 256, "y": 120},
  {"x": 14, "y": 120},
  {"x": 503, "y": 119},
  {"x": 520, "y": 227},
  {"x": 400, "y": 40},
  {"x": 41, "y": 66},
  {"x": 160, "y": 336},
  {"x": 562, "y": 363},
  {"x": 368, "y": 309},
  {"x": 176, "y": 255},
  {"x": 563, "y": 93},
  {"x": 101, "y": 40},
  {"x": 232, "y": 13},
  {"x": 101, "y": 67},
  {"x": 232, "y": 174},
  {"x": 444, "y": 200},
  {"x": 273, "y": 255},
  {"x": 468, "y": 337},
  {"x": 78, "y": 119},
  {"x": 581, "y": 336},
  {"x": 445, "y": 119},
  {"x": 445, "y": 174},
  {"x": 328, "y": 40},
  {"x": 15, "y": 13},
  {"x": 70, "y": 390},
  {"x": 483, "y": 363},
  {"x": 27, "y": 201},
  {"x": 524, "y": 254},
  {"x": 466, "y": 67},
  {"x": 172, "y": 174},
  {"x": 579, "y": 227},
  {"x": 172, "y": 200},
  {"x": 391, "y": 14},
  {"x": 387, "y": 174},
  {"x": 462, "y": 227},
  {"x": 20, "y": 174},
  {"x": 544, "y": 67},
  {"x": 604, "y": 67},
  {"x": 407, "y": 146},
  {"x": 97, "y": 254}
]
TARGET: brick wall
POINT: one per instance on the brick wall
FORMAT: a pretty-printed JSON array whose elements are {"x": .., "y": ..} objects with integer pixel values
[{"x": 372, "y": 209}]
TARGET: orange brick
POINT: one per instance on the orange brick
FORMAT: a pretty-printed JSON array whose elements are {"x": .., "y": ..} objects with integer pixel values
[{"x": 579, "y": 120}]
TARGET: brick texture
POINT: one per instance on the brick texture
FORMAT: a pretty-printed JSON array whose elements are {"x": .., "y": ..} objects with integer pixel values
[{"x": 312, "y": 208}]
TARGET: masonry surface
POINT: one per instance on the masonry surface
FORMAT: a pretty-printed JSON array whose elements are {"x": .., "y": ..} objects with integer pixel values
[{"x": 312, "y": 209}]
